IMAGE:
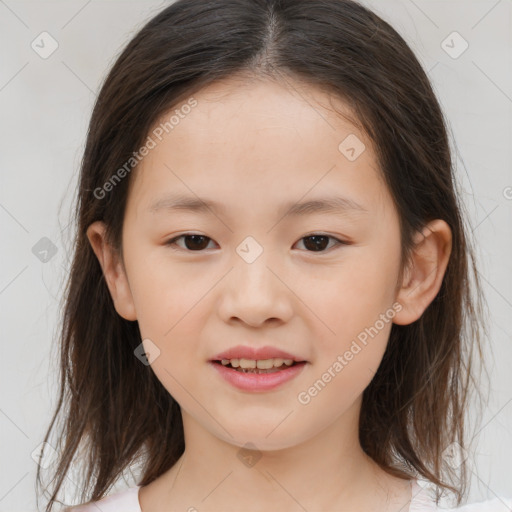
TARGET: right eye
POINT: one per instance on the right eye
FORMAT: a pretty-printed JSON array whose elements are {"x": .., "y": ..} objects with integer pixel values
[{"x": 193, "y": 242}]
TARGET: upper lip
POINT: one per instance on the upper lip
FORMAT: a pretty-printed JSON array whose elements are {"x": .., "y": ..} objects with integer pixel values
[{"x": 246, "y": 352}]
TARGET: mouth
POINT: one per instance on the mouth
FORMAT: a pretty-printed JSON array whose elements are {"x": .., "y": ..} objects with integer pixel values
[
  {"x": 258, "y": 366},
  {"x": 255, "y": 376}
]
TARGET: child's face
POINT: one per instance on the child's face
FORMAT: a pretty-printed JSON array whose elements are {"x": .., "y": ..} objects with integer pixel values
[{"x": 254, "y": 149}]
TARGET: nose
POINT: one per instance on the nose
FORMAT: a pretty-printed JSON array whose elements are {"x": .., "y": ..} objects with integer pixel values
[{"x": 255, "y": 293}]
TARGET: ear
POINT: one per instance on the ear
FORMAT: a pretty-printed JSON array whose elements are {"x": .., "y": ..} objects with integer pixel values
[
  {"x": 113, "y": 270},
  {"x": 424, "y": 274}
]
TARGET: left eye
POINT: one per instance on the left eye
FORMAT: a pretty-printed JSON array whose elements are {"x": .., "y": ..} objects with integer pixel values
[
  {"x": 317, "y": 242},
  {"x": 313, "y": 243}
]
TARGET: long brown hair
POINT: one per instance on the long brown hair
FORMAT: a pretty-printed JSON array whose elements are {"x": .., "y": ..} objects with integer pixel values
[{"x": 115, "y": 411}]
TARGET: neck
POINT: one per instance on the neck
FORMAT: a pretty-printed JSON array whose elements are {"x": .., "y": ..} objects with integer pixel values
[{"x": 327, "y": 471}]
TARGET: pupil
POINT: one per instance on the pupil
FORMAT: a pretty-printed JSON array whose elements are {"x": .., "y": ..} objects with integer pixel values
[
  {"x": 195, "y": 239},
  {"x": 318, "y": 242}
]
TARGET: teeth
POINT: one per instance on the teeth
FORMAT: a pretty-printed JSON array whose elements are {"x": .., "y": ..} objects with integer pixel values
[
  {"x": 262, "y": 364},
  {"x": 247, "y": 363}
]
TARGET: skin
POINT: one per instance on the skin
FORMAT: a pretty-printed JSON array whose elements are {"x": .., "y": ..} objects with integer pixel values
[{"x": 253, "y": 146}]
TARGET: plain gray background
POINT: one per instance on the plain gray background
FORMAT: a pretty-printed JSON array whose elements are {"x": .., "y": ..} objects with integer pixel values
[{"x": 45, "y": 107}]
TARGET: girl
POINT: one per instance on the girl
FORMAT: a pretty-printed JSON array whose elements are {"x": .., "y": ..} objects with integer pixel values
[{"x": 269, "y": 304}]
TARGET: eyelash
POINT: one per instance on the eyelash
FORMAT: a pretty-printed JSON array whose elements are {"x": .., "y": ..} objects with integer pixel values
[{"x": 172, "y": 242}]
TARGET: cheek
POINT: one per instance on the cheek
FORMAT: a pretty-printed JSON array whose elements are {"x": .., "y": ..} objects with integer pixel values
[
  {"x": 357, "y": 292},
  {"x": 172, "y": 302},
  {"x": 356, "y": 311},
  {"x": 346, "y": 362},
  {"x": 165, "y": 295}
]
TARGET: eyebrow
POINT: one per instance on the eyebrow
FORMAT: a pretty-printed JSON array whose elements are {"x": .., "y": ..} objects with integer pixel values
[{"x": 320, "y": 205}]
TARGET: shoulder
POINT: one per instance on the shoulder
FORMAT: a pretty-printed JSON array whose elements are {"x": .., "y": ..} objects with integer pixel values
[
  {"x": 494, "y": 505},
  {"x": 127, "y": 499},
  {"x": 423, "y": 501}
]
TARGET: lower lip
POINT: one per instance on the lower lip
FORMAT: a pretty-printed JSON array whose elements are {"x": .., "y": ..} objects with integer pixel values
[{"x": 258, "y": 381}]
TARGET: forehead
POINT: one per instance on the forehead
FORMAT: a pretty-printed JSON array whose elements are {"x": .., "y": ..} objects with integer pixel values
[{"x": 256, "y": 142}]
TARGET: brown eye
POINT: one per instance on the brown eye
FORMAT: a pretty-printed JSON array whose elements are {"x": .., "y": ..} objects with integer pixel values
[
  {"x": 192, "y": 242},
  {"x": 319, "y": 242}
]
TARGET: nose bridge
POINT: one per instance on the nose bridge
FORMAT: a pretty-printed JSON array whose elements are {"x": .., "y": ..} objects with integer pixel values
[
  {"x": 251, "y": 272},
  {"x": 252, "y": 292}
]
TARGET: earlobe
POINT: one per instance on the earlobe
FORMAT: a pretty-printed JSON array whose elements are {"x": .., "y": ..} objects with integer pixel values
[
  {"x": 425, "y": 271},
  {"x": 113, "y": 271}
]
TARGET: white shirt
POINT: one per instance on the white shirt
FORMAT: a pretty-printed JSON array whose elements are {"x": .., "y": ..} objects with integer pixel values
[{"x": 422, "y": 501}]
